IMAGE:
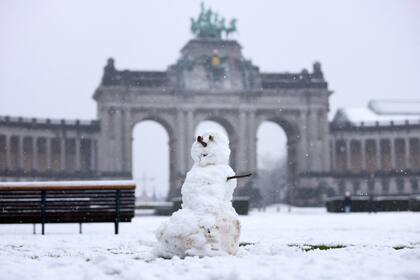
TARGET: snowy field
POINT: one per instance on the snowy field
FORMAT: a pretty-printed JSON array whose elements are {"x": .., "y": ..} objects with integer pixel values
[{"x": 282, "y": 246}]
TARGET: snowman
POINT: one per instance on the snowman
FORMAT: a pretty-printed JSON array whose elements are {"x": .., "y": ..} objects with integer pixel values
[{"x": 207, "y": 224}]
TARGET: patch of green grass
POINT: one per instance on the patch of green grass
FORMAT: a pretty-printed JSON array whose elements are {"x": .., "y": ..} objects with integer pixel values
[
  {"x": 243, "y": 244},
  {"x": 322, "y": 247},
  {"x": 400, "y": 247}
]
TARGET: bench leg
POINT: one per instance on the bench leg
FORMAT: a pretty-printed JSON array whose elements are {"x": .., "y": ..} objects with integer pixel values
[
  {"x": 34, "y": 229},
  {"x": 43, "y": 206},
  {"x": 117, "y": 210},
  {"x": 80, "y": 228}
]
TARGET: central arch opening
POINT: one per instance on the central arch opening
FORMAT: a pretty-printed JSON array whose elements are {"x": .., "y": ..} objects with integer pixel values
[
  {"x": 151, "y": 160},
  {"x": 272, "y": 158}
]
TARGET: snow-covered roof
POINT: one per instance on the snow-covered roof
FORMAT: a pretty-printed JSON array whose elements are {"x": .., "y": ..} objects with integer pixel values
[
  {"x": 382, "y": 112},
  {"x": 395, "y": 107}
]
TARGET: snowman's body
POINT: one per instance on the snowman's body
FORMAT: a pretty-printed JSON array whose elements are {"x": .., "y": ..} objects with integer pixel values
[{"x": 207, "y": 224}]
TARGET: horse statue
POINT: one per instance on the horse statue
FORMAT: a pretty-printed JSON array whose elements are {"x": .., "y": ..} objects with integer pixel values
[{"x": 209, "y": 24}]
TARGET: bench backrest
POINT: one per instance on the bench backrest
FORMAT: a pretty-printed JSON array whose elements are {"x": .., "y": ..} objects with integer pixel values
[{"x": 67, "y": 202}]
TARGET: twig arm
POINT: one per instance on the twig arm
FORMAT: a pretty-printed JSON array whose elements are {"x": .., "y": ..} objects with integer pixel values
[{"x": 238, "y": 176}]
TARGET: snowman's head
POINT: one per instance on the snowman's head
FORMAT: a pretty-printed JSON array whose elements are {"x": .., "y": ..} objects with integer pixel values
[{"x": 210, "y": 148}]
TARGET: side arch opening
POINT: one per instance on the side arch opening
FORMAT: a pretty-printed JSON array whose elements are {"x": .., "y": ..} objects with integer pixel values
[
  {"x": 272, "y": 164},
  {"x": 150, "y": 156}
]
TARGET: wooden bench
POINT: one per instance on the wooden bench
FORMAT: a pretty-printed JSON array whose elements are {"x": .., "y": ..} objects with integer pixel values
[{"x": 67, "y": 202}]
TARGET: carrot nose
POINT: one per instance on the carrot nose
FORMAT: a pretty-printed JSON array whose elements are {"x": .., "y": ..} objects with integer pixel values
[{"x": 200, "y": 140}]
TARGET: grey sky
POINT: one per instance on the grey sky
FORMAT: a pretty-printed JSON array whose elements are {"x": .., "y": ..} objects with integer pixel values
[{"x": 52, "y": 52}]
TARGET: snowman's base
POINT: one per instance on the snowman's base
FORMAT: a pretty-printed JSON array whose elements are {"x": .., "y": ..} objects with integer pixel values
[{"x": 188, "y": 233}]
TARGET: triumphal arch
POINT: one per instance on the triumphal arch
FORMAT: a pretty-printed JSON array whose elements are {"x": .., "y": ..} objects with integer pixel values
[{"x": 212, "y": 80}]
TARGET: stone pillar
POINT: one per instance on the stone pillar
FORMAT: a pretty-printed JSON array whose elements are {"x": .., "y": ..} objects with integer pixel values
[
  {"x": 128, "y": 142},
  {"x": 252, "y": 142},
  {"x": 92, "y": 155},
  {"x": 106, "y": 141},
  {"x": 407, "y": 153},
  {"x": 190, "y": 137},
  {"x": 118, "y": 141},
  {"x": 378, "y": 154},
  {"x": 20, "y": 153},
  {"x": 393, "y": 154},
  {"x": 348, "y": 155},
  {"x": 316, "y": 146},
  {"x": 77, "y": 140},
  {"x": 333, "y": 156},
  {"x": 48, "y": 151},
  {"x": 302, "y": 162},
  {"x": 241, "y": 144},
  {"x": 63, "y": 154},
  {"x": 363, "y": 153},
  {"x": 180, "y": 143},
  {"x": 102, "y": 140},
  {"x": 34, "y": 154},
  {"x": 8, "y": 153},
  {"x": 175, "y": 181},
  {"x": 324, "y": 137}
]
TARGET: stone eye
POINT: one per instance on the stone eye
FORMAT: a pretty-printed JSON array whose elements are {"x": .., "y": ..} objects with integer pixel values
[{"x": 200, "y": 140}]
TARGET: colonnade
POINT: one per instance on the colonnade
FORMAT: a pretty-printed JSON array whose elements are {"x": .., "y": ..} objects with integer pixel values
[
  {"x": 41, "y": 153},
  {"x": 375, "y": 154}
]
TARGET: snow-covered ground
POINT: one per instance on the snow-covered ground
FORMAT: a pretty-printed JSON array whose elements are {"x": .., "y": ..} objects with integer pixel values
[{"x": 377, "y": 246}]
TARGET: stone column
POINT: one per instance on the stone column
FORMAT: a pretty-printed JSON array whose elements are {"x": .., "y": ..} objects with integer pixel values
[
  {"x": 180, "y": 143},
  {"x": 407, "y": 153},
  {"x": 102, "y": 141},
  {"x": 63, "y": 153},
  {"x": 241, "y": 144},
  {"x": 313, "y": 141},
  {"x": 92, "y": 155},
  {"x": 174, "y": 180},
  {"x": 363, "y": 153},
  {"x": 118, "y": 141},
  {"x": 96, "y": 156},
  {"x": 128, "y": 142},
  {"x": 333, "y": 156},
  {"x": 378, "y": 154},
  {"x": 252, "y": 142},
  {"x": 393, "y": 154},
  {"x": 8, "y": 153},
  {"x": 77, "y": 140},
  {"x": 20, "y": 153},
  {"x": 348, "y": 156},
  {"x": 34, "y": 154},
  {"x": 302, "y": 163},
  {"x": 324, "y": 137},
  {"x": 49, "y": 154},
  {"x": 190, "y": 137}
]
